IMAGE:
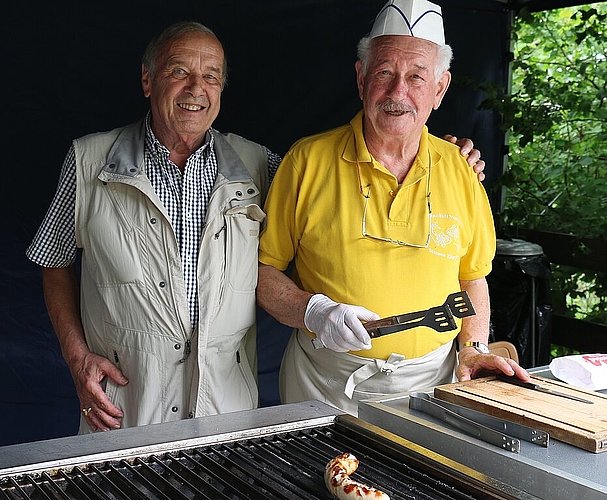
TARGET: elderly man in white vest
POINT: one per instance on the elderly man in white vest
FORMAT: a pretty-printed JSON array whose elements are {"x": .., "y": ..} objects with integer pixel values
[
  {"x": 167, "y": 212},
  {"x": 380, "y": 218}
]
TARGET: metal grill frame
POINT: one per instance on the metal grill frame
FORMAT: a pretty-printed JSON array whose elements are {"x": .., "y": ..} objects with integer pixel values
[{"x": 243, "y": 430}]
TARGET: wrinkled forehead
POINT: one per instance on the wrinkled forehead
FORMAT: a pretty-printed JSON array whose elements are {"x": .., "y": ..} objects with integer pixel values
[
  {"x": 403, "y": 49},
  {"x": 405, "y": 44},
  {"x": 192, "y": 44}
]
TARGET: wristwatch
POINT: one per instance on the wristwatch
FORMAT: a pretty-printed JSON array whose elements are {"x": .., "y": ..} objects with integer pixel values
[{"x": 479, "y": 346}]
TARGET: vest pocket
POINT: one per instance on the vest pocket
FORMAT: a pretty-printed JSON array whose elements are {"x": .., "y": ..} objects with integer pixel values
[
  {"x": 144, "y": 399},
  {"x": 230, "y": 383},
  {"x": 243, "y": 224}
]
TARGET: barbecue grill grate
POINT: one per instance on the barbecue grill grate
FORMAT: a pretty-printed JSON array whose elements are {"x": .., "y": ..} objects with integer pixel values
[{"x": 288, "y": 465}]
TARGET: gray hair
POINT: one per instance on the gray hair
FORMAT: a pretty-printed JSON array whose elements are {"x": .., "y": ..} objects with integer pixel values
[
  {"x": 156, "y": 46},
  {"x": 445, "y": 55}
]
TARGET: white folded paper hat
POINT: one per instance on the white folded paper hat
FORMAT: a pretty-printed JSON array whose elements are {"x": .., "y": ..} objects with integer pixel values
[{"x": 418, "y": 18}]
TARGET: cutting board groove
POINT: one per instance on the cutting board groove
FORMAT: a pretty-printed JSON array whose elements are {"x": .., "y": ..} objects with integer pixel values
[{"x": 579, "y": 424}]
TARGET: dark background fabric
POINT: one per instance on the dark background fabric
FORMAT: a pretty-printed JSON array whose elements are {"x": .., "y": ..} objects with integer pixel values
[{"x": 72, "y": 68}]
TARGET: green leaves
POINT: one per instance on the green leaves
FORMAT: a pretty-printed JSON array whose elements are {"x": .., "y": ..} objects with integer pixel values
[{"x": 556, "y": 116}]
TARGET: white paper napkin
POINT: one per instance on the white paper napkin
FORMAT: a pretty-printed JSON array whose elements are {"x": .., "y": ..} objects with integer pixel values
[{"x": 588, "y": 371}]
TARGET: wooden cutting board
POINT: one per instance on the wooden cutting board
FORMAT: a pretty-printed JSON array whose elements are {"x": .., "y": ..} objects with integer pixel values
[{"x": 579, "y": 424}]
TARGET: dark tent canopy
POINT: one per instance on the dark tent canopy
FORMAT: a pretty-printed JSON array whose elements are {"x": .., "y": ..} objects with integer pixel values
[{"x": 74, "y": 69}]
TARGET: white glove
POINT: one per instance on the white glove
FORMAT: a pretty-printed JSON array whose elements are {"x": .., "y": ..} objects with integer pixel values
[{"x": 338, "y": 326}]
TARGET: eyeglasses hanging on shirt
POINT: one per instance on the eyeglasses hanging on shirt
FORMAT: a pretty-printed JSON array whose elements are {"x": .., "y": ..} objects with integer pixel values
[{"x": 366, "y": 192}]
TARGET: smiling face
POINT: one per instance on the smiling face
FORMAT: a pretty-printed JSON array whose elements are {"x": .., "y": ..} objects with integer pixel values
[
  {"x": 185, "y": 91},
  {"x": 399, "y": 89}
]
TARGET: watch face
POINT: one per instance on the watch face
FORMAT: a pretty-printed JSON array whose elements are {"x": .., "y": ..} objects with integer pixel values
[
  {"x": 479, "y": 346},
  {"x": 482, "y": 348}
]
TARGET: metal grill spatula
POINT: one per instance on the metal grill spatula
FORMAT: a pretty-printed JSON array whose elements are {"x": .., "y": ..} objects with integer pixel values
[{"x": 439, "y": 318}]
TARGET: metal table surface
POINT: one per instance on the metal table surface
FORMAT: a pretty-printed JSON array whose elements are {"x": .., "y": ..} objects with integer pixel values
[
  {"x": 99, "y": 446},
  {"x": 560, "y": 471}
]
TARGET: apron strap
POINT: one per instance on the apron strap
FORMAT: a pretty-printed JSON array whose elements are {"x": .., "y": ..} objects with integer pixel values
[{"x": 393, "y": 363}]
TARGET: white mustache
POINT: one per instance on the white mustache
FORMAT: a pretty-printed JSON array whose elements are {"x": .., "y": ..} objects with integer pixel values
[{"x": 390, "y": 106}]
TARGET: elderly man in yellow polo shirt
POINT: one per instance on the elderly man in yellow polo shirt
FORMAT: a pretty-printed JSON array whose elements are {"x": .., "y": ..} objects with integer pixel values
[{"x": 381, "y": 218}]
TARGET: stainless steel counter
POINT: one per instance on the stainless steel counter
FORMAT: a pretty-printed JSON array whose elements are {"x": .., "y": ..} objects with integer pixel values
[{"x": 559, "y": 472}]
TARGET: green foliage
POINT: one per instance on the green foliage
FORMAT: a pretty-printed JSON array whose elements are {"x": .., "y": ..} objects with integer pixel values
[
  {"x": 556, "y": 118},
  {"x": 580, "y": 294},
  {"x": 556, "y": 114}
]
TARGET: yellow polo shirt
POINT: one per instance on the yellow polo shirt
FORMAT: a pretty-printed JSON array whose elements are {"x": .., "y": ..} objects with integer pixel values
[{"x": 315, "y": 214}]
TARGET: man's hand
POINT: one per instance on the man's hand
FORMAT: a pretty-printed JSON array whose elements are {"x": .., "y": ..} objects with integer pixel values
[
  {"x": 473, "y": 364},
  {"x": 338, "y": 326},
  {"x": 88, "y": 373},
  {"x": 473, "y": 155},
  {"x": 61, "y": 294}
]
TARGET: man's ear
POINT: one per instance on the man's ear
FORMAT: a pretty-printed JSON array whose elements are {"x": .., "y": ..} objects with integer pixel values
[
  {"x": 443, "y": 85},
  {"x": 360, "y": 78},
  {"x": 146, "y": 81}
]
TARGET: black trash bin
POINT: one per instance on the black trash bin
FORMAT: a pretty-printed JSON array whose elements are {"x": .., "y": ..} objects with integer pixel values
[{"x": 521, "y": 305}]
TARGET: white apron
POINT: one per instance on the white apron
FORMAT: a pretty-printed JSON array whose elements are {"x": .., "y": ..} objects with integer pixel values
[{"x": 342, "y": 379}]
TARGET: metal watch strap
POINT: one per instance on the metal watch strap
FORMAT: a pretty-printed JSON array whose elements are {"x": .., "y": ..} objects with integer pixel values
[{"x": 479, "y": 346}]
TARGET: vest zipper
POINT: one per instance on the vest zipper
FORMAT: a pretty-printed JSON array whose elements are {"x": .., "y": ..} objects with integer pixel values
[
  {"x": 216, "y": 235},
  {"x": 186, "y": 351}
]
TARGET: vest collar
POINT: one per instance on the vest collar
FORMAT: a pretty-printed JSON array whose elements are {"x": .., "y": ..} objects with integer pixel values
[{"x": 126, "y": 157}]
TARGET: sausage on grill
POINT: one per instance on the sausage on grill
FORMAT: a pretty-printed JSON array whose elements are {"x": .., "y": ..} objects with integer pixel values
[{"x": 339, "y": 483}]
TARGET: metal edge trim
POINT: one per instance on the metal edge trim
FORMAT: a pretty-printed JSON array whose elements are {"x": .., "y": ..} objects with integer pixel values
[{"x": 52, "y": 466}]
